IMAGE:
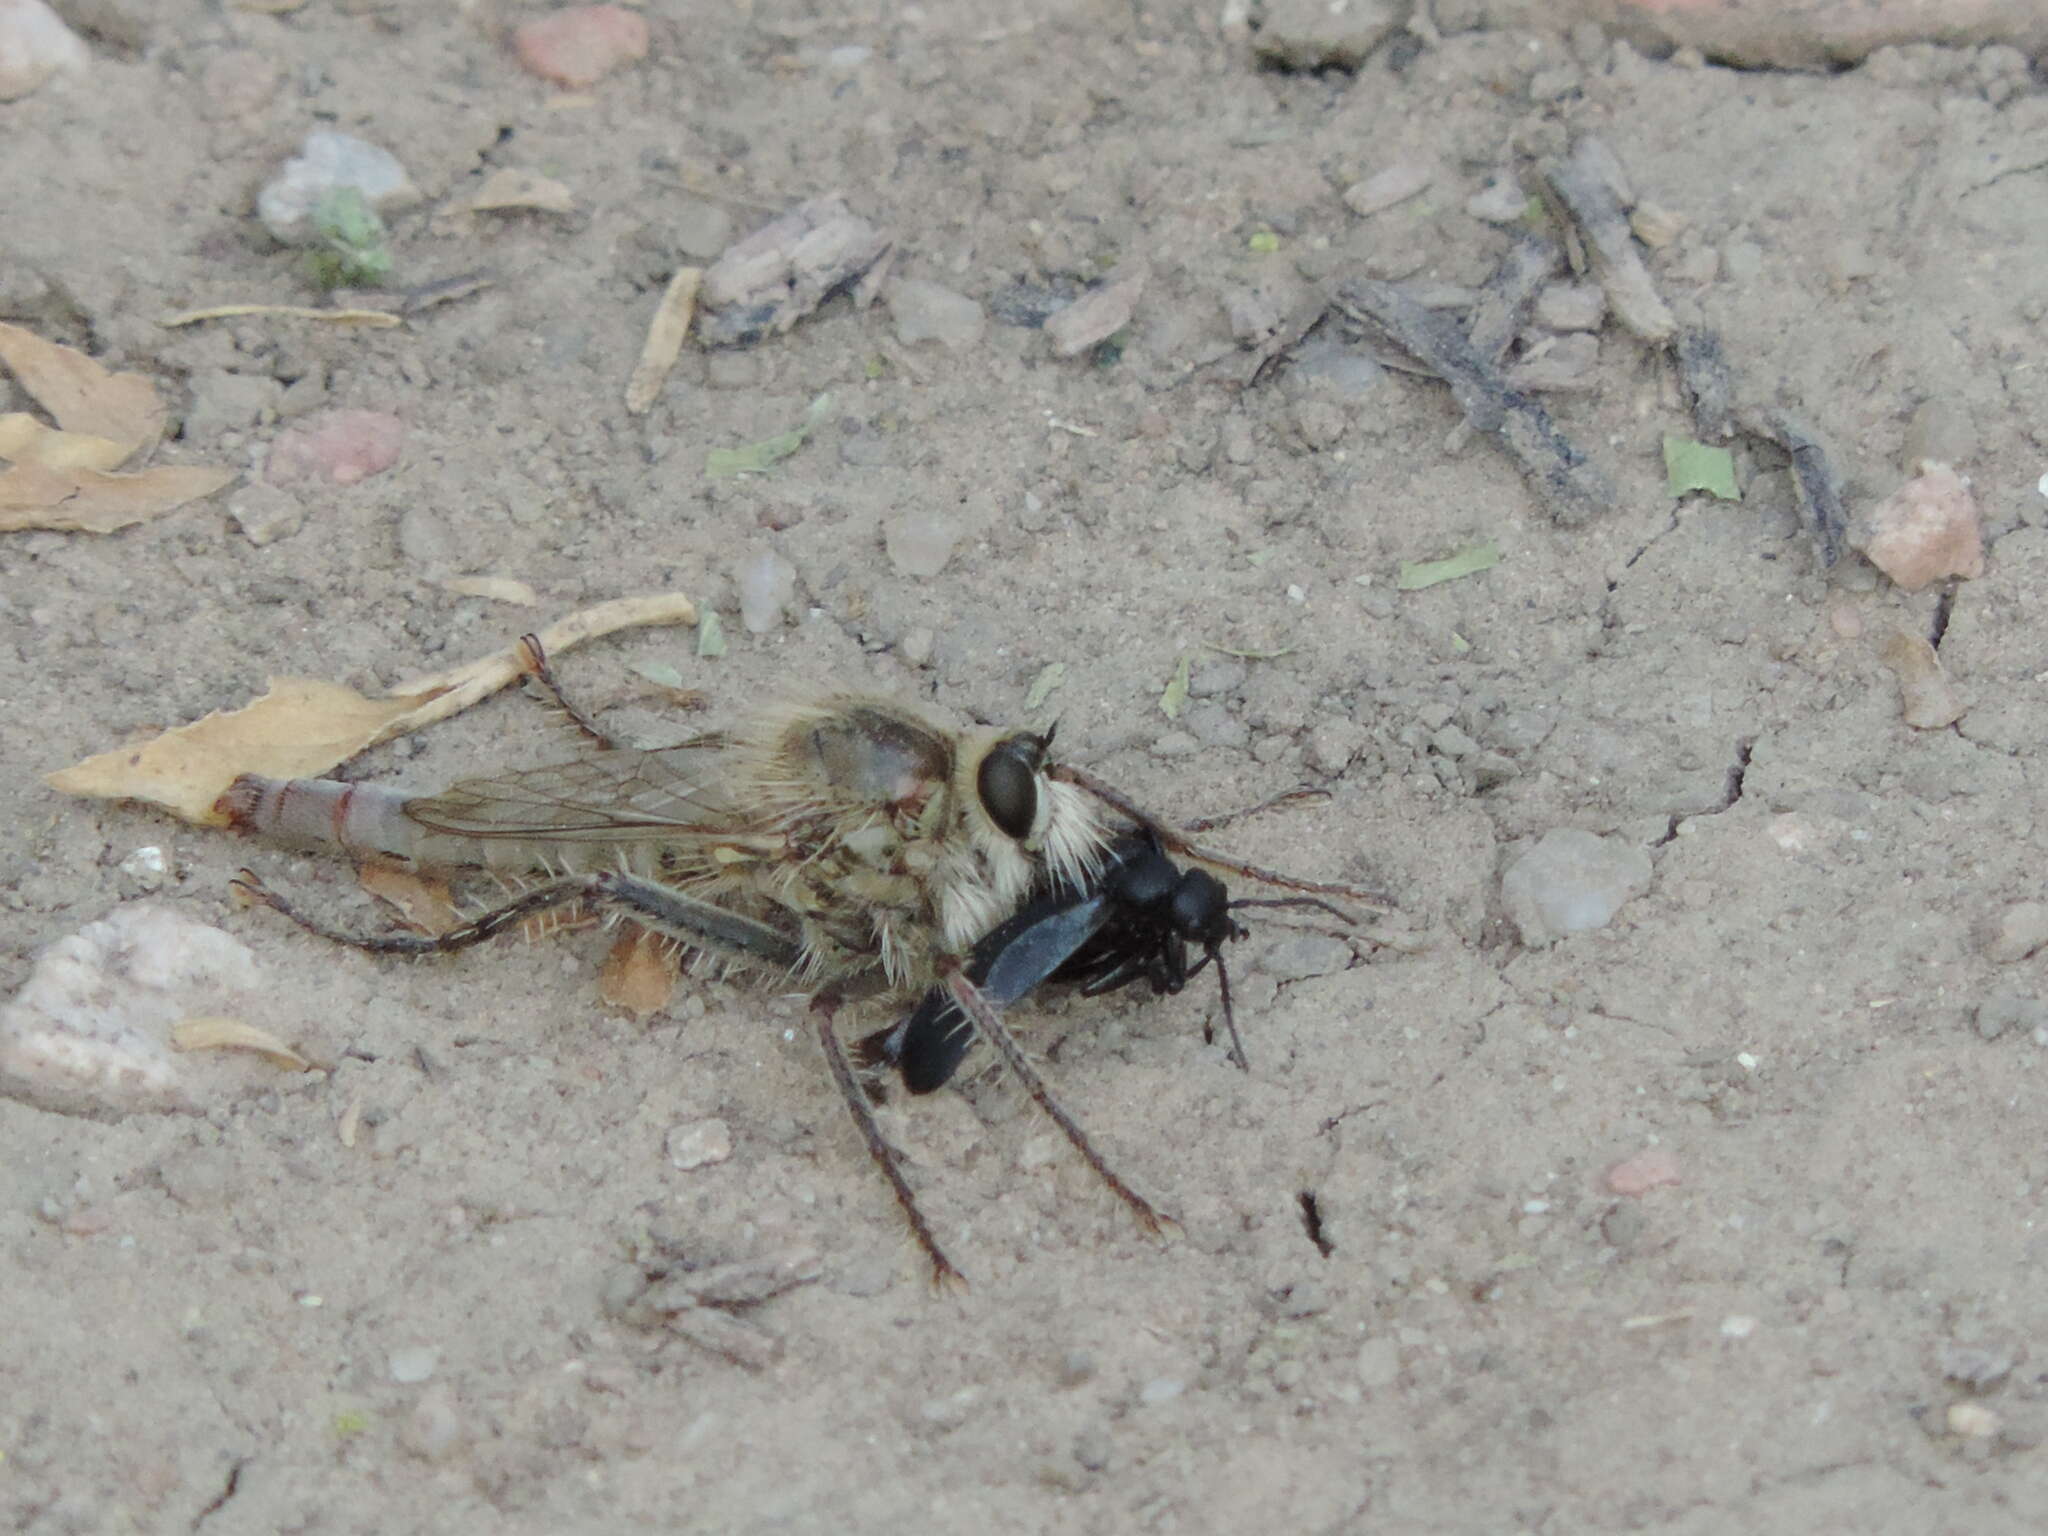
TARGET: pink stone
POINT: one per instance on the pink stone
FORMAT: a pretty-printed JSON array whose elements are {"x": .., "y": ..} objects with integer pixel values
[
  {"x": 1927, "y": 529},
  {"x": 581, "y": 45},
  {"x": 338, "y": 447},
  {"x": 1647, "y": 1170}
]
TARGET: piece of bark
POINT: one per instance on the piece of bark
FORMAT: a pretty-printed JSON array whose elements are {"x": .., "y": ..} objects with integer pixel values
[
  {"x": 1585, "y": 186},
  {"x": 1570, "y": 486}
]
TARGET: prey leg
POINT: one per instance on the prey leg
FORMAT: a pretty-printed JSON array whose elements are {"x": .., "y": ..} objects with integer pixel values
[
  {"x": 534, "y": 661},
  {"x": 1245, "y": 813},
  {"x": 653, "y": 906},
  {"x": 992, "y": 1029},
  {"x": 1179, "y": 842},
  {"x": 822, "y": 1008}
]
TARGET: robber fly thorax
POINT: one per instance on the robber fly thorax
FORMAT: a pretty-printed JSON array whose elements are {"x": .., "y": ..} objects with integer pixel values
[{"x": 850, "y": 845}]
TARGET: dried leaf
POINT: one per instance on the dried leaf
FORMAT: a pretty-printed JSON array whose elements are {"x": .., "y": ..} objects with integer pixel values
[
  {"x": 24, "y": 438},
  {"x": 511, "y": 187},
  {"x": 88, "y": 501},
  {"x": 639, "y": 974},
  {"x": 664, "y": 343},
  {"x": 422, "y": 901},
  {"x": 301, "y": 727},
  {"x": 223, "y": 1034},
  {"x": 83, "y": 396}
]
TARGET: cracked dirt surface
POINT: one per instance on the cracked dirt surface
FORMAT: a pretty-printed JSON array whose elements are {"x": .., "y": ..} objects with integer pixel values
[{"x": 1405, "y": 1297}]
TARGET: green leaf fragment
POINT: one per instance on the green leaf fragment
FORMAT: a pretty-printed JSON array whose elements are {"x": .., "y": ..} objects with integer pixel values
[
  {"x": 1417, "y": 574},
  {"x": 758, "y": 458},
  {"x": 1692, "y": 466},
  {"x": 659, "y": 673},
  {"x": 710, "y": 636},
  {"x": 1175, "y": 699},
  {"x": 1049, "y": 677},
  {"x": 1264, "y": 241},
  {"x": 352, "y": 251}
]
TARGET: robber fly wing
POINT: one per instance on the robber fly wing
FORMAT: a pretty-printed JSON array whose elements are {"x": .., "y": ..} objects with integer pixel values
[{"x": 611, "y": 797}]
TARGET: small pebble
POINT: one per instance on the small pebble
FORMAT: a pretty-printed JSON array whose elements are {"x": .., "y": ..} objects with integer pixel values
[
  {"x": 1973, "y": 1421},
  {"x": 1314, "y": 34},
  {"x": 1092, "y": 1448},
  {"x": 143, "y": 871},
  {"x": 433, "y": 1430},
  {"x": 265, "y": 514},
  {"x": 1175, "y": 744},
  {"x": 699, "y": 1144},
  {"x": 327, "y": 163},
  {"x": 1570, "y": 882},
  {"x": 1742, "y": 260},
  {"x": 2005, "y": 1012},
  {"x": 579, "y": 46},
  {"x": 1981, "y": 1368},
  {"x": 920, "y": 543},
  {"x": 425, "y": 539},
  {"x": 414, "y": 1364},
  {"x": 35, "y": 45},
  {"x": 928, "y": 312},
  {"x": 1099, "y": 313},
  {"x": 767, "y": 584},
  {"x": 2021, "y": 929},
  {"x": 1927, "y": 702},
  {"x": 1501, "y": 201},
  {"x": 1383, "y": 189},
  {"x": 1651, "y": 1168},
  {"x": 1570, "y": 307},
  {"x": 1161, "y": 1389},
  {"x": 917, "y": 645},
  {"x": 338, "y": 447},
  {"x": 1379, "y": 1362},
  {"x": 1927, "y": 529},
  {"x": 1656, "y": 226}
]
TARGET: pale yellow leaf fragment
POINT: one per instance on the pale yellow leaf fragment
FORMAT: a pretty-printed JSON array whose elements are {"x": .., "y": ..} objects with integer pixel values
[
  {"x": 82, "y": 395},
  {"x": 88, "y": 501},
  {"x": 23, "y": 437},
  {"x": 224, "y": 1034},
  {"x": 372, "y": 319},
  {"x": 664, "y": 343},
  {"x": 511, "y": 187},
  {"x": 301, "y": 728},
  {"x": 639, "y": 974}
]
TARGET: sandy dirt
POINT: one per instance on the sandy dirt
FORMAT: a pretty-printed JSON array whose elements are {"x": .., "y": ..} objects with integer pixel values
[{"x": 244, "y": 1320}]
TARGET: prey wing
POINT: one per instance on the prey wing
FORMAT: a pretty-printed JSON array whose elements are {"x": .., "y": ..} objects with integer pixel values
[{"x": 627, "y": 795}]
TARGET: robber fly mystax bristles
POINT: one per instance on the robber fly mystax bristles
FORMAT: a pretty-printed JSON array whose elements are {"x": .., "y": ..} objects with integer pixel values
[{"x": 849, "y": 844}]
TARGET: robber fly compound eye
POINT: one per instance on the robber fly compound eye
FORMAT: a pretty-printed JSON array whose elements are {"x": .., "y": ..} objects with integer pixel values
[{"x": 1008, "y": 784}]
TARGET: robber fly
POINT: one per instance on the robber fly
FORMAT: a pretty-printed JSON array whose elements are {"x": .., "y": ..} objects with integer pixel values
[{"x": 849, "y": 845}]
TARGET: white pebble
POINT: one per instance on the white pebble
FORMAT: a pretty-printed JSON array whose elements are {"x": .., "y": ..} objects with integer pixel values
[
  {"x": 699, "y": 1145},
  {"x": 34, "y": 45},
  {"x": 767, "y": 583},
  {"x": 415, "y": 1364},
  {"x": 1161, "y": 1389},
  {"x": 1571, "y": 881},
  {"x": 327, "y": 163},
  {"x": 920, "y": 543},
  {"x": 928, "y": 312}
]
